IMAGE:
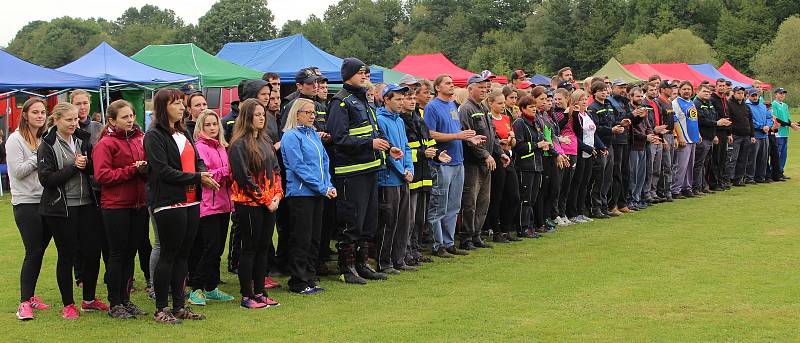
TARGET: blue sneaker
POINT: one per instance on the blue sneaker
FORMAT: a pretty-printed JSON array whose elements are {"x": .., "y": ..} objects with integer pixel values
[
  {"x": 218, "y": 295},
  {"x": 197, "y": 297}
]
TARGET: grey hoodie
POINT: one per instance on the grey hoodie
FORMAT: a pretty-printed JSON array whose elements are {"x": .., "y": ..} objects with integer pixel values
[{"x": 22, "y": 164}]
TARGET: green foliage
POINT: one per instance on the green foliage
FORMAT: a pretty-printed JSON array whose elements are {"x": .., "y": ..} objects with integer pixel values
[
  {"x": 58, "y": 42},
  {"x": 679, "y": 45},
  {"x": 776, "y": 62},
  {"x": 235, "y": 21}
]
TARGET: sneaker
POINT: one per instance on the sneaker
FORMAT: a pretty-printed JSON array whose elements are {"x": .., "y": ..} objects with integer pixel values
[
  {"x": 500, "y": 238},
  {"x": 251, "y": 304},
  {"x": 390, "y": 270},
  {"x": 197, "y": 297},
  {"x": 456, "y": 251},
  {"x": 478, "y": 243},
  {"x": 549, "y": 222},
  {"x": 218, "y": 295},
  {"x": 424, "y": 259},
  {"x": 25, "y": 311},
  {"x": 38, "y": 304},
  {"x": 94, "y": 305},
  {"x": 266, "y": 300},
  {"x": 467, "y": 245},
  {"x": 70, "y": 312},
  {"x": 405, "y": 268},
  {"x": 120, "y": 312},
  {"x": 512, "y": 238},
  {"x": 165, "y": 316},
  {"x": 577, "y": 220},
  {"x": 585, "y": 218},
  {"x": 442, "y": 253},
  {"x": 269, "y": 283},
  {"x": 186, "y": 313},
  {"x": 133, "y": 309},
  {"x": 309, "y": 291}
]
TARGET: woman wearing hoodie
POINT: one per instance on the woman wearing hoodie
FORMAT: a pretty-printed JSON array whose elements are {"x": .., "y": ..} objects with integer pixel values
[
  {"x": 215, "y": 211},
  {"x": 68, "y": 205},
  {"x": 120, "y": 170},
  {"x": 26, "y": 194},
  {"x": 308, "y": 183}
]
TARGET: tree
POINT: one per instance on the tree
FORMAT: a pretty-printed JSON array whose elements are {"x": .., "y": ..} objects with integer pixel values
[
  {"x": 58, "y": 42},
  {"x": 314, "y": 29},
  {"x": 137, "y": 28},
  {"x": 776, "y": 61},
  {"x": 364, "y": 28},
  {"x": 679, "y": 45},
  {"x": 150, "y": 15},
  {"x": 598, "y": 23},
  {"x": 235, "y": 21}
]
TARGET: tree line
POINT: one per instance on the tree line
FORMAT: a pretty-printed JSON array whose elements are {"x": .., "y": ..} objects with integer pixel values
[{"x": 540, "y": 36}]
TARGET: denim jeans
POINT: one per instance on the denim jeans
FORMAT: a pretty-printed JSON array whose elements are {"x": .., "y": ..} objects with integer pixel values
[
  {"x": 638, "y": 170},
  {"x": 702, "y": 153},
  {"x": 757, "y": 162},
  {"x": 783, "y": 143},
  {"x": 448, "y": 185}
]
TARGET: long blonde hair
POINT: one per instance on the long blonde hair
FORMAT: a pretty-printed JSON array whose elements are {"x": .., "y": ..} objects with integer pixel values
[
  {"x": 201, "y": 119},
  {"x": 291, "y": 117}
]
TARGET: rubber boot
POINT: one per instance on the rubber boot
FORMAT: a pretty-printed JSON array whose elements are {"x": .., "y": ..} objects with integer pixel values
[
  {"x": 362, "y": 267},
  {"x": 346, "y": 262}
]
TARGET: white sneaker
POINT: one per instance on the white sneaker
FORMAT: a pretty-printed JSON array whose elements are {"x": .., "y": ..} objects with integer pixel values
[
  {"x": 560, "y": 221},
  {"x": 585, "y": 218},
  {"x": 577, "y": 220}
]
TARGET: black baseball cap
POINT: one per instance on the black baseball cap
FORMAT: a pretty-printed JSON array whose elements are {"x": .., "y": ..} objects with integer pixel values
[
  {"x": 667, "y": 84},
  {"x": 780, "y": 90},
  {"x": 307, "y": 75}
]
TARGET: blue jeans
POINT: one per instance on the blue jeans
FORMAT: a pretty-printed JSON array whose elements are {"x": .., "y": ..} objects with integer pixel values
[
  {"x": 783, "y": 144},
  {"x": 638, "y": 173},
  {"x": 448, "y": 184}
]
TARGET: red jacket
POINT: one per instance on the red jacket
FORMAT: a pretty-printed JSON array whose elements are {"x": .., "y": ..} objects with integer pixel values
[{"x": 121, "y": 186}]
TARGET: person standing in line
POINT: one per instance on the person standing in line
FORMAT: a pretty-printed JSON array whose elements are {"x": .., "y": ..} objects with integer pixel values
[
  {"x": 743, "y": 136},
  {"x": 688, "y": 135},
  {"x": 528, "y": 158},
  {"x": 68, "y": 204},
  {"x": 215, "y": 211},
  {"x": 780, "y": 112},
  {"x": 120, "y": 169},
  {"x": 718, "y": 179},
  {"x": 26, "y": 195},
  {"x": 256, "y": 194},
  {"x": 308, "y": 184},
  {"x": 762, "y": 124},
  {"x": 604, "y": 116},
  {"x": 641, "y": 133},
  {"x": 564, "y": 118},
  {"x": 175, "y": 171},
  {"x": 503, "y": 215},
  {"x": 590, "y": 147},
  {"x": 709, "y": 122},
  {"x": 664, "y": 101}
]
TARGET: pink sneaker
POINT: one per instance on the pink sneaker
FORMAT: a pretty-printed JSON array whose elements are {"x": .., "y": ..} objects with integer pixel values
[
  {"x": 94, "y": 305},
  {"x": 269, "y": 283},
  {"x": 252, "y": 303},
  {"x": 25, "y": 311},
  {"x": 269, "y": 302},
  {"x": 38, "y": 304},
  {"x": 70, "y": 312}
]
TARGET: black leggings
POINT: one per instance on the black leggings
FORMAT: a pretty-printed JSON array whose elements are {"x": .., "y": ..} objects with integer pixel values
[
  {"x": 125, "y": 229},
  {"x": 211, "y": 236},
  {"x": 566, "y": 185},
  {"x": 176, "y": 228},
  {"x": 548, "y": 193},
  {"x": 504, "y": 203},
  {"x": 77, "y": 236},
  {"x": 306, "y": 224},
  {"x": 530, "y": 183},
  {"x": 35, "y": 237},
  {"x": 255, "y": 230},
  {"x": 576, "y": 203}
]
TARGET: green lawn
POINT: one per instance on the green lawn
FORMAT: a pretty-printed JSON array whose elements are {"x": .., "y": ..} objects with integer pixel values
[{"x": 718, "y": 268}]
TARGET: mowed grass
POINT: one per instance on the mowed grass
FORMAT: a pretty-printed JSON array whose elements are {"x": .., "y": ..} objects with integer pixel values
[{"x": 718, "y": 268}]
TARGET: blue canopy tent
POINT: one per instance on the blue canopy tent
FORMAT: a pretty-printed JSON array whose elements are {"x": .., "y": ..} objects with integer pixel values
[
  {"x": 17, "y": 75},
  {"x": 712, "y": 72},
  {"x": 540, "y": 80},
  {"x": 285, "y": 56},
  {"x": 116, "y": 70}
]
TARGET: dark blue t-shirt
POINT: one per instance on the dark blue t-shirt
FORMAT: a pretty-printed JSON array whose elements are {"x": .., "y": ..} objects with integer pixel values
[{"x": 442, "y": 116}]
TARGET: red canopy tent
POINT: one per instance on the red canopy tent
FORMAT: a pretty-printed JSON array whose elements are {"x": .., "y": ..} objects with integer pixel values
[
  {"x": 644, "y": 71},
  {"x": 683, "y": 72},
  {"x": 430, "y": 66},
  {"x": 728, "y": 70}
]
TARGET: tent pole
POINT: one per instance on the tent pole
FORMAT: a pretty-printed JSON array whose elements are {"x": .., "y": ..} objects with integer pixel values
[{"x": 102, "y": 106}]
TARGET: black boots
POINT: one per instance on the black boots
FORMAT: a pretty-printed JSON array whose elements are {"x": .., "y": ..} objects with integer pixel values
[
  {"x": 347, "y": 262},
  {"x": 362, "y": 266}
]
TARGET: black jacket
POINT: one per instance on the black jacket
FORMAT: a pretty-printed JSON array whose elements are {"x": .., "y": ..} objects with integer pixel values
[
  {"x": 577, "y": 127},
  {"x": 605, "y": 117},
  {"x": 353, "y": 126},
  {"x": 741, "y": 117},
  {"x": 54, "y": 197},
  {"x": 706, "y": 119},
  {"x": 474, "y": 116},
  {"x": 527, "y": 154},
  {"x": 166, "y": 182},
  {"x": 321, "y": 120},
  {"x": 721, "y": 106},
  {"x": 623, "y": 108},
  {"x": 667, "y": 113},
  {"x": 641, "y": 128},
  {"x": 419, "y": 140}
]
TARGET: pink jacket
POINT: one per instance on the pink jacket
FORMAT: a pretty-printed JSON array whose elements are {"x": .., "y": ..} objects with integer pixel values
[{"x": 216, "y": 160}]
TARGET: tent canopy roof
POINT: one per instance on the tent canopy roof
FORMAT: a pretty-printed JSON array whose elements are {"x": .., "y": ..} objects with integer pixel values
[
  {"x": 389, "y": 75},
  {"x": 728, "y": 70},
  {"x": 615, "y": 70},
  {"x": 191, "y": 60},
  {"x": 712, "y": 72},
  {"x": 16, "y": 73},
  {"x": 540, "y": 80},
  {"x": 111, "y": 66},
  {"x": 285, "y": 56},
  {"x": 430, "y": 66}
]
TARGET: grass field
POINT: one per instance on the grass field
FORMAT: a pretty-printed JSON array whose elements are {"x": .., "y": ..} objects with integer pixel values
[{"x": 719, "y": 268}]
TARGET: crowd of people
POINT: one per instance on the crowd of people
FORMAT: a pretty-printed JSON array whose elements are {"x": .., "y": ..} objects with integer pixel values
[{"x": 393, "y": 173}]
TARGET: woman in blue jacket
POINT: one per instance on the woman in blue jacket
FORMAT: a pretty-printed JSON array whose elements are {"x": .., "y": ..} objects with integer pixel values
[{"x": 307, "y": 182}]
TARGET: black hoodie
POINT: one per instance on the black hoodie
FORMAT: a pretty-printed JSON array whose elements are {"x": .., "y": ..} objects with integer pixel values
[
  {"x": 249, "y": 89},
  {"x": 741, "y": 117}
]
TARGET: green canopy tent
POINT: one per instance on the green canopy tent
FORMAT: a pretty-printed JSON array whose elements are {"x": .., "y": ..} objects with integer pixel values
[
  {"x": 188, "y": 59},
  {"x": 615, "y": 70}
]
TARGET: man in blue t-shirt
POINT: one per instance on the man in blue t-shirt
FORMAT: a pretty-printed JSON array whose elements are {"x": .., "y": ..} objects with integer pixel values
[
  {"x": 441, "y": 116},
  {"x": 687, "y": 133}
]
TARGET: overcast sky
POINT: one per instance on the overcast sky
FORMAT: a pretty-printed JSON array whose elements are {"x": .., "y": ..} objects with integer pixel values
[{"x": 15, "y": 14}]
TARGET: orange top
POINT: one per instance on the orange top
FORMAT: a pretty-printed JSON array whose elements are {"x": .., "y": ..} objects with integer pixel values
[
  {"x": 188, "y": 166},
  {"x": 268, "y": 191}
]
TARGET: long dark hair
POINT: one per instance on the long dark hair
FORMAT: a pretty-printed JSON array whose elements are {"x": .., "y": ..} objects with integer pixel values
[
  {"x": 161, "y": 101},
  {"x": 31, "y": 138},
  {"x": 259, "y": 159}
]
